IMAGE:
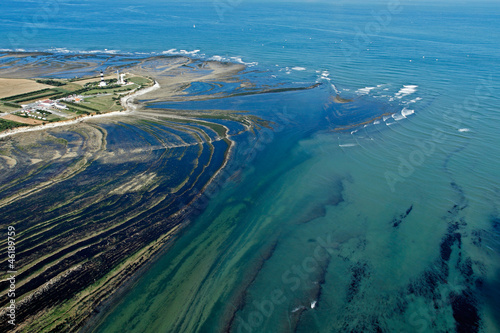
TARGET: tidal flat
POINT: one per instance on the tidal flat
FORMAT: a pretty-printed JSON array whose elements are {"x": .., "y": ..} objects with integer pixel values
[{"x": 92, "y": 202}]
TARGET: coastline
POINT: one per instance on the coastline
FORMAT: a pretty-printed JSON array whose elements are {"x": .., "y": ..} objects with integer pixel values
[
  {"x": 190, "y": 129},
  {"x": 126, "y": 101}
]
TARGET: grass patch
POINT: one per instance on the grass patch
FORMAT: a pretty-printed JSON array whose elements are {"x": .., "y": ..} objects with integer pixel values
[
  {"x": 104, "y": 103},
  {"x": 8, "y": 107},
  {"x": 114, "y": 90},
  {"x": 80, "y": 106},
  {"x": 142, "y": 81}
]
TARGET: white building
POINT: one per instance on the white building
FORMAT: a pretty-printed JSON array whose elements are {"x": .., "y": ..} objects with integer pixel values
[
  {"x": 46, "y": 103},
  {"x": 120, "y": 78},
  {"x": 60, "y": 106}
]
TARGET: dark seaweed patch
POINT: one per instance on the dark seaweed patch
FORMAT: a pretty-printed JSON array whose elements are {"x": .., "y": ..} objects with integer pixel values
[
  {"x": 447, "y": 243},
  {"x": 465, "y": 312},
  {"x": 496, "y": 224},
  {"x": 466, "y": 269},
  {"x": 359, "y": 272},
  {"x": 476, "y": 238},
  {"x": 397, "y": 221}
]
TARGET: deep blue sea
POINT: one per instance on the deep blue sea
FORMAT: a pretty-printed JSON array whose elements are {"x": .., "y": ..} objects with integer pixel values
[{"x": 391, "y": 226}]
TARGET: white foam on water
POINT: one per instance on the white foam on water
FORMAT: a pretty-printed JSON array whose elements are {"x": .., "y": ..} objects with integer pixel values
[
  {"x": 59, "y": 50},
  {"x": 398, "y": 116},
  {"x": 232, "y": 59},
  {"x": 464, "y": 130},
  {"x": 348, "y": 144},
  {"x": 335, "y": 88},
  {"x": 181, "y": 52},
  {"x": 298, "y": 68},
  {"x": 384, "y": 118},
  {"x": 63, "y": 50},
  {"x": 406, "y": 112},
  {"x": 376, "y": 122},
  {"x": 239, "y": 60},
  {"x": 216, "y": 58},
  {"x": 365, "y": 90},
  {"x": 415, "y": 100},
  {"x": 406, "y": 90}
]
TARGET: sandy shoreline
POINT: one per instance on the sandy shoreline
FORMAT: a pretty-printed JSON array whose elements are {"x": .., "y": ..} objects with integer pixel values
[{"x": 126, "y": 101}]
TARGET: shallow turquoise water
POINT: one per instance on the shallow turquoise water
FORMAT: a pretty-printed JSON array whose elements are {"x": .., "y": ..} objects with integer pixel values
[{"x": 390, "y": 227}]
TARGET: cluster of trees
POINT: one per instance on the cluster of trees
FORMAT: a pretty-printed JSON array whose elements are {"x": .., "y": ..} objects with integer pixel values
[
  {"x": 12, "y": 105},
  {"x": 7, "y": 124},
  {"x": 51, "y": 82}
]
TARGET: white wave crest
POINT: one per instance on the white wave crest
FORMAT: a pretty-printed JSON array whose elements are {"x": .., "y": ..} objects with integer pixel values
[
  {"x": 180, "y": 52},
  {"x": 232, "y": 59},
  {"x": 398, "y": 116},
  {"x": 365, "y": 90},
  {"x": 406, "y": 112},
  {"x": 415, "y": 100},
  {"x": 406, "y": 90}
]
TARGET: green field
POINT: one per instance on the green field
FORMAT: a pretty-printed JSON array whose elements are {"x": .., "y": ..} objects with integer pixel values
[
  {"x": 113, "y": 90},
  {"x": 140, "y": 80}
]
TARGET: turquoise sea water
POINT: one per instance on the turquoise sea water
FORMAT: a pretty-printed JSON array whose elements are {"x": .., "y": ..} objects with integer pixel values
[{"x": 389, "y": 227}]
